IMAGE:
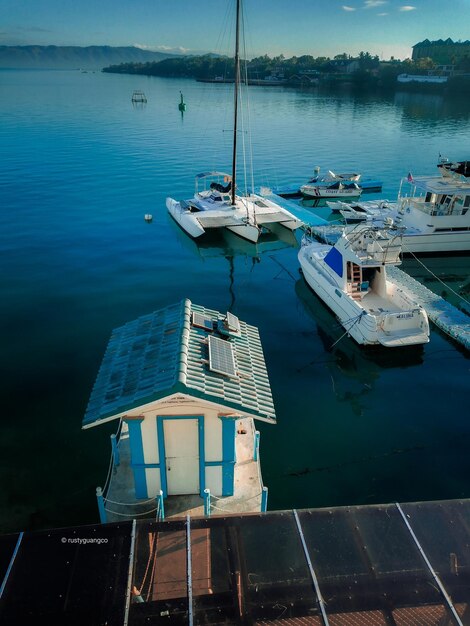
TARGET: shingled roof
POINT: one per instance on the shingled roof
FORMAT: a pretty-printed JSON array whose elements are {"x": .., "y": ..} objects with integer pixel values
[{"x": 163, "y": 353}]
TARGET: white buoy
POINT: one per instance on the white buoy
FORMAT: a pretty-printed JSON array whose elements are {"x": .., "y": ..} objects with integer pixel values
[{"x": 148, "y": 217}]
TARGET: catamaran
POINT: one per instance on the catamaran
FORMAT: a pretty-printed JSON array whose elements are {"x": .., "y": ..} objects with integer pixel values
[{"x": 217, "y": 204}]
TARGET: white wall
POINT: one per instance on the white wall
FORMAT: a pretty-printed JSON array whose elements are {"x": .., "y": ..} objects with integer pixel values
[{"x": 182, "y": 405}]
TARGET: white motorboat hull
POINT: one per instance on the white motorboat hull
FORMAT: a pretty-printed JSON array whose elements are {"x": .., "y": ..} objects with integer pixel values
[
  {"x": 319, "y": 192},
  {"x": 400, "y": 328},
  {"x": 432, "y": 243}
]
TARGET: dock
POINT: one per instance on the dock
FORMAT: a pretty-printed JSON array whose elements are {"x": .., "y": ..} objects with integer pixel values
[
  {"x": 308, "y": 217},
  {"x": 380, "y": 565},
  {"x": 444, "y": 315}
]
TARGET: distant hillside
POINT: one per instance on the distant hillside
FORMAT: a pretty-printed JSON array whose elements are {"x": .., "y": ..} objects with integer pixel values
[{"x": 74, "y": 57}]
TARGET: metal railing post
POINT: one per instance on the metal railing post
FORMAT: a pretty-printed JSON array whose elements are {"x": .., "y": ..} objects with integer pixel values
[
  {"x": 207, "y": 502},
  {"x": 160, "y": 506},
  {"x": 101, "y": 509},
  {"x": 264, "y": 500},
  {"x": 256, "y": 446},
  {"x": 115, "y": 449}
]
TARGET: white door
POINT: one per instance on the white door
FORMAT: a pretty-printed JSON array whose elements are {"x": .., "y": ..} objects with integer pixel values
[{"x": 181, "y": 456}]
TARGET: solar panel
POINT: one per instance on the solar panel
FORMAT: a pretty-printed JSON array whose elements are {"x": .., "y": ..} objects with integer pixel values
[
  {"x": 201, "y": 321},
  {"x": 233, "y": 323},
  {"x": 221, "y": 357}
]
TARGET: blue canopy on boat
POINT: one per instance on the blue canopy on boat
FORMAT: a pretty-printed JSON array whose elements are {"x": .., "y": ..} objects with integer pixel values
[
  {"x": 206, "y": 174},
  {"x": 334, "y": 259}
]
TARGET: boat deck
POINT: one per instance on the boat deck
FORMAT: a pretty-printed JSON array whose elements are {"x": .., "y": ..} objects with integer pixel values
[{"x": 376, "y": 305}]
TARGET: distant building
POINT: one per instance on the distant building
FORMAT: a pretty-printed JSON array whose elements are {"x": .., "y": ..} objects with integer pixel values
[
  {"x": 347, "y": 66},
  {"x": 441, "y": 52}
]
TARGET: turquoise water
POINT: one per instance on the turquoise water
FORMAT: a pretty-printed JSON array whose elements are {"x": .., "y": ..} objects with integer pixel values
[{"x": 80, "y": 168}]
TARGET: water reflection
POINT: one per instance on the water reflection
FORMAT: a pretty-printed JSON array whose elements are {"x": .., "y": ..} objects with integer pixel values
[
  {"x": 350, "y": 362},
  {"x": 223, "y": 243}
]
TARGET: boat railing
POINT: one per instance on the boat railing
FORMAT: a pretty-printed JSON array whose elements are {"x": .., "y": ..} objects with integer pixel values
[
  {"x": 387, "y": 320},
  {"x": 430, "y": 208},
  {"x": 381, "y": 254}
]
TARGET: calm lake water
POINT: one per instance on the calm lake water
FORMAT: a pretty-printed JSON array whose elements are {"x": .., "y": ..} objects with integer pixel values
[{"x": 80, "y": 168}]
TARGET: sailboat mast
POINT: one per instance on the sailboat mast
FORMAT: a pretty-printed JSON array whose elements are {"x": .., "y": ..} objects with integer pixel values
[{"x": 237, "y": 86}]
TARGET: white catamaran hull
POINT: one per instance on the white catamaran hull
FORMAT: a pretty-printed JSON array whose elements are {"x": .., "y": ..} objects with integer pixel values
[
  {"x": 184, "y": 218},
  {"x": 400, "y": 328},
  {"x": 195, "y": 223}
]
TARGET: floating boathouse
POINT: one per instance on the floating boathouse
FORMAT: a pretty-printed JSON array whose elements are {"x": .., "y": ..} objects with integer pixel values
[{"x": 186, "y": 384}]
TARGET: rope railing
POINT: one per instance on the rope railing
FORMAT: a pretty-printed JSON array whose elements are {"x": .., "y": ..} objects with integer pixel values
[{"x": 114, "y": 459}]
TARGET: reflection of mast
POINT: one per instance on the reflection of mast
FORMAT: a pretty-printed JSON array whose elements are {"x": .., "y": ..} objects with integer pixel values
[{"x": 231, "y": 283}]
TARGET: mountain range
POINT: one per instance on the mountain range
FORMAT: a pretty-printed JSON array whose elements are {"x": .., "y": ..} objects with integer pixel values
[{"x": 74, "y": 57}]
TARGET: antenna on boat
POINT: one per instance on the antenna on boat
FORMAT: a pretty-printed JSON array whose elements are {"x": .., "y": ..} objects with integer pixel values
[{"x": 235, "y": 120}]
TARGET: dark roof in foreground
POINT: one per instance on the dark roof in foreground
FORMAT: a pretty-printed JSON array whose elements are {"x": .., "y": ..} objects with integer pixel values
[
  {"x": 164, "y": 353},
  {"x": 386, "y": 565}
]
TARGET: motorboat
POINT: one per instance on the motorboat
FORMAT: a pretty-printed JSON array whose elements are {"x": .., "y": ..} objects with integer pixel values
[
  {"x": 217, "y": 204},
  {"x": 328, "y": 179},
  {"x": 213, "y": 206},
  {"x": 355, "y": 212},
  {"x": 351, "y": 278},
  {"x": 451, "y": 168}
]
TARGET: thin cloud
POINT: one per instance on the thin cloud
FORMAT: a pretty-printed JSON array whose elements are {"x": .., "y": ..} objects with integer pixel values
[
  {"x": 32, "y": 29},
  {"x": 346, "y": 8},
  {"x": 407, "y": 8},
  {"x": 372, "y": 4},
  {"x": 176, "y": 50},
  {"x": 382, "y": 14}
]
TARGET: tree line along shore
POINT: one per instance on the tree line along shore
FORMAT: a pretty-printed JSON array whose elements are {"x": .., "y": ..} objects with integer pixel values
[{"x": 365, "y": 69}]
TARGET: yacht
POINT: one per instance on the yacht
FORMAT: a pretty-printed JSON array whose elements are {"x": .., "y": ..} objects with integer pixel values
[
  {"x": 435, "y": 214},
  {"x": 432, "y": 213},
  {"x": 351, "y": 278}
]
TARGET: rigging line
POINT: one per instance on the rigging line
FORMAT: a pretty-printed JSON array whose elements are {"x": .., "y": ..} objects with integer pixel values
[
  {"x": 348, "y": 330},
  {"x": 212, "y": 92},
  {"x": 242, "y": 120},
  {"x": 248, "y": 108},
  {"x": 436, "y": 277},
  {"x": 283, "y": 267}
]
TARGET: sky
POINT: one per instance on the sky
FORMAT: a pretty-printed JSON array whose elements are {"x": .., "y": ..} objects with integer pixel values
[{"x": 290, "y": 27}]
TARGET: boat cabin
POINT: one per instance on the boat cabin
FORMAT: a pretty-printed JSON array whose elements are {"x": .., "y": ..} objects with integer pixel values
[
  {"x": 185, "y": 383},
  {"x": 438, "y": 196},
  {"x": 358, "y": 260}
]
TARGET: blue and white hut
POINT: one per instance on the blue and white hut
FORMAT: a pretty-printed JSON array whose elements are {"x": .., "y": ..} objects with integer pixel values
[{"x": 186, "y": 384}]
